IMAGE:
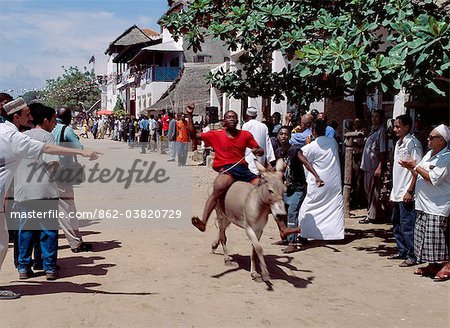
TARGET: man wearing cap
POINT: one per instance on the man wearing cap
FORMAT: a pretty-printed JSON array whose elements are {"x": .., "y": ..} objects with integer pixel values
[
  {"x": 261, "y": 134},
  {"x": 432, "y": 191},
  {"x": 15, "y": 146}
]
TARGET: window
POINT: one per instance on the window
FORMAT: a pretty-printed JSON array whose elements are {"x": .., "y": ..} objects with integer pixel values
[{"x": 202, "y": 59}]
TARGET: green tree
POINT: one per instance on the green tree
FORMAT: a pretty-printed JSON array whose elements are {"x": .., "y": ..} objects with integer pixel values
[
  {"x": 29, "y": 96},
  {"x": 118, "y": 107},
  {"x": 334, "y": 46},
  {"x": 71, "y": 88}
]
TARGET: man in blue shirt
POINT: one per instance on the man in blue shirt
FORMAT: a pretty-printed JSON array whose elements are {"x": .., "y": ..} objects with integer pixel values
[
  {"x": 144, "y": 126},
  {"x": 69, "y": 139},
  {"x": 329, "y": 131},
  {"x": 303, "y": 131}
]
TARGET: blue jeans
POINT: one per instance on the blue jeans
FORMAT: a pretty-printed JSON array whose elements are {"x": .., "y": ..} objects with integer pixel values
[
  {"x": 32, "y": 230},
  {"x": 403, "y": 221},
  {"x": 173, "y": 149},
  {"x": 131, "y": 140},
  {"x": 293, "y": 200},
  {"x": 182, "y": 152}
]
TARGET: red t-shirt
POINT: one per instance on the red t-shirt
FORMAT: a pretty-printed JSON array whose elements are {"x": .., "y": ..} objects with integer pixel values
[
  {"x": 165, "y": 123},
  {"x": 228, "y": 150}
]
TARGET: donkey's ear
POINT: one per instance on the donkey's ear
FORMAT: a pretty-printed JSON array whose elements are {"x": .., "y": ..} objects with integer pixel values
[
  {"x": 260, "y": 167},
  {"x": 280, "y": 165}
]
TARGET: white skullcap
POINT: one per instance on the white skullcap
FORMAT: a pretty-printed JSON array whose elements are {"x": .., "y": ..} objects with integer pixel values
[
  {"x": 14, "y": 106},
  {"x": 444, "y": 131},
  {"x": 252, "y": 111}
]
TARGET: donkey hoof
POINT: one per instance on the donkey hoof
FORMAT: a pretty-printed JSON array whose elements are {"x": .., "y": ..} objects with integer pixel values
[
  {"x": 256, "y": 277},
  {"x": 229, "y": 263},
  {"x": 214, "y": 247},
  {"x": 265, "y": 277}
]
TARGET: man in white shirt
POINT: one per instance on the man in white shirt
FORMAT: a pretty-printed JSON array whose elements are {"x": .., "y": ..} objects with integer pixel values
[
  {"x": 15, "y": 146},
  {"x": 101, "y": 128},
  {"x": 34, "y": 190},
  {"x": 402, "y": 194},
  {"x": 152, "y": 125},
  {"x": 261, "y": 134},
  {"x": 431, "y": 232}
]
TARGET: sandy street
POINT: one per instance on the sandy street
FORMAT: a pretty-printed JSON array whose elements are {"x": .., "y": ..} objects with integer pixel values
[{"x": 165, "y": 275}]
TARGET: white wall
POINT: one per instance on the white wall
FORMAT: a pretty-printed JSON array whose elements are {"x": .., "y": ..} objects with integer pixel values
[
  {"x": 278, "y": 63},
  {"x": 319, "y": 105},
  {"x": 152, "y": 92},
  {"x": 167, "y": 37},
  {"x": 111, "y": 89}
]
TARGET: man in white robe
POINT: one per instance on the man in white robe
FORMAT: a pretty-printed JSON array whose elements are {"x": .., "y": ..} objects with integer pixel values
[
  {"x": 321, "y": 215},
  {"x": 261, "y": 134}
]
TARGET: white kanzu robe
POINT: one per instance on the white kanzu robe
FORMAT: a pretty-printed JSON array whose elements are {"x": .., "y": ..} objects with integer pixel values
[{"x": 322, "y": 212}]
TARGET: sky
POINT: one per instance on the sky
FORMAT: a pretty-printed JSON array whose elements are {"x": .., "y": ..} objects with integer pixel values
[{"x": 38, "y": 37}]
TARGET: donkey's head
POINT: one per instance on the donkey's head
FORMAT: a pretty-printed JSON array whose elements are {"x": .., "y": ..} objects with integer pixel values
[{"x": 272, "y": 188}]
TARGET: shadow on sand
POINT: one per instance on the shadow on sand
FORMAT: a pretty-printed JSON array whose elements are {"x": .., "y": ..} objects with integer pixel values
[
  {"x": 82, "y": 266},
  {"x": 31, "y": 288},
  {"x": 99, "y": 246},
  {"x": 274, "y": 264},
  {"x": 351, "y": 235}
]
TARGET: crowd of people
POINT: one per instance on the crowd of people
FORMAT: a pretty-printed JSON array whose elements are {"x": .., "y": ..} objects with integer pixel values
[
  {"x": 164, "y": 131},
  {"x": 35, "y": 142},
  {"x": 420, "y": 195},
  {"x": 419, "y": 199}
]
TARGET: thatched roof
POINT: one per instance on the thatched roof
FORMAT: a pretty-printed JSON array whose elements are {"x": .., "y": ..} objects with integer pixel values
[
  {"x": 173, "y": 5},
  {"x": 191, "y": 85},
  {"x": 133, "y": 35}
]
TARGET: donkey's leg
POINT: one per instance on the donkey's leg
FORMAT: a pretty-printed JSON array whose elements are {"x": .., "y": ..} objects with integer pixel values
[
  {"x": 259, "y": 251},
  {"x": 255, "y": 275},
  {"x": 216, "y": 242},
  {"x": 223, "y": 240}
]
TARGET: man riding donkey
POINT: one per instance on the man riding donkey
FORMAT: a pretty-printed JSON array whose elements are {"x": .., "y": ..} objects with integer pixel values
[{"x": 229, "y": 160}]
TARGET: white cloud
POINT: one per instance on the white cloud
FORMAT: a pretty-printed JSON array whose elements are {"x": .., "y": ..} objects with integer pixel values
[{"x": 34, "y": 45}]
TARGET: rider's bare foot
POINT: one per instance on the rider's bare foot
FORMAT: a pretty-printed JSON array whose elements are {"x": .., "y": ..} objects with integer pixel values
[
  {"x": 288, "y": 231},
  {"x": 199, "y": 224}
]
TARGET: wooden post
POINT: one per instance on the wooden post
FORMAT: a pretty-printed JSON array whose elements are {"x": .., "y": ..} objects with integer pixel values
[{"x": 348, "y": 169}]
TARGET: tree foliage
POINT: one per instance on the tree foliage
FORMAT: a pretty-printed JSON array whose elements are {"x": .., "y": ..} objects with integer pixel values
[
  {"x": 118, "y": 107},
  {"x": 29, "y": 96},
  {"x": 332, "y": 46},
  {"x": 71, "y": 88}
]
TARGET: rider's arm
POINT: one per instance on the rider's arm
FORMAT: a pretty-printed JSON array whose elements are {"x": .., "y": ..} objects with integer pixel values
[{"x": 193, "y": 133}]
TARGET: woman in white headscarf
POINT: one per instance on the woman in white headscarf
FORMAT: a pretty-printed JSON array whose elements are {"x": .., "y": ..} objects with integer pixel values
[{"x": 431, "y": 234}]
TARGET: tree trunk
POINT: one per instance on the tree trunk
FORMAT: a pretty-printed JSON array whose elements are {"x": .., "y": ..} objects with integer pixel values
[{"x": 360, "y": 97}]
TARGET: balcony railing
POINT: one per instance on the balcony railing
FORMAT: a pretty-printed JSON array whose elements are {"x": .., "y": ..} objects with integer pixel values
[
  {"x": 152, "y": 74},
  {"x": 161, "y": 74}
]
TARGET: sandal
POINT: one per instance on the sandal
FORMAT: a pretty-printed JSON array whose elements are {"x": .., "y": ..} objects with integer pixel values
[
  {"x": 84, "y": 247},
  {"x": 199, "y": 224},
  {"x": 8, "y": 295},
  {"x": 291, "y": 249},
  {"x": 441, "y": 277},
  {"x": 425, "y": 271}
]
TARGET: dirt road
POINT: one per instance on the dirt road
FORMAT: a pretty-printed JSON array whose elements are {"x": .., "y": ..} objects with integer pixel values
[{"x": 167, "y": 276}]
